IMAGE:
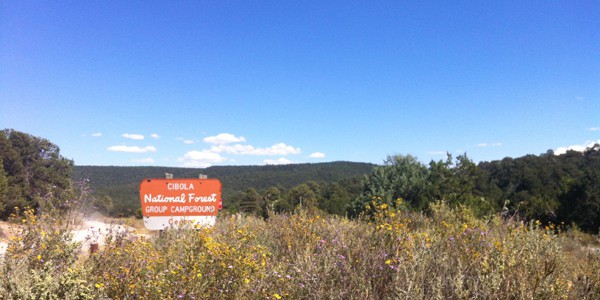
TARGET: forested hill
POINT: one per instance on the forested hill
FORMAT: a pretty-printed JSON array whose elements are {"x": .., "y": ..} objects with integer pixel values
[
  {"x": 233, "y": 177},
  {"x": 121, "y": 183}
]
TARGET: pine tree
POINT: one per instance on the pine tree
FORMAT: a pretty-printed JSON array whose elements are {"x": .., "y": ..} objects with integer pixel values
[
  {"x": 35, "y": 171},
  {"x": 250, "y": 202}
]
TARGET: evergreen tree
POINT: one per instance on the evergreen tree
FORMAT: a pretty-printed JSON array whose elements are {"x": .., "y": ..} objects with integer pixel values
[
  {"x": 250, "y": 202},
  {"x": 36, "y": 173},
  {"x": 336, "y": 200},
  {"x": 455, "y": 182},
  {"x": 271, "y": 196},
  {"x": 268, "y": 201},
  {"x": 302, "y": 196},
  {"x": 400, "y": 177}
]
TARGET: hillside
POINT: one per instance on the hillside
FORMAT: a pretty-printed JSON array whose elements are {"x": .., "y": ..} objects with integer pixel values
[{"x": 121, "y": 183}]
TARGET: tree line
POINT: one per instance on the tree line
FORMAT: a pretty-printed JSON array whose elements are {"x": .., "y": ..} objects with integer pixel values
[{"x": 550, "y": 188}]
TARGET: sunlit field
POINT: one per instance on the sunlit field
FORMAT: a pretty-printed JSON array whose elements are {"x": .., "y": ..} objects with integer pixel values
[{"x": 448, "y": 254}]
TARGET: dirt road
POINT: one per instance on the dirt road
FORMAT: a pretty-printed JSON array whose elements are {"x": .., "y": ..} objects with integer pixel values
[{"x": 90, "y": 231}]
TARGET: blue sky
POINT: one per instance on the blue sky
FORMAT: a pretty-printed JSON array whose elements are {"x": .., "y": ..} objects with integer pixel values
[{"x": 200, "y": 83}]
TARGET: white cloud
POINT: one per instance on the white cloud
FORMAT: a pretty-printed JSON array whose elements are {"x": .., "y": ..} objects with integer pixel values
[
  {"x": 97, "y": 134},
  {"x": 238, "y": 149},
  {"x": 225, "y": 143},
  {"x": 132, "y": 149},
  {"x": 155, "y": 136},
  {"x": 489, "y": 145},
  {"x": 436, "y": 152},
  {"x": 578, "y": 148},
  {"x": 280, "y": 161},
  {"x": 224, "y": 138},
  {"x": 277, "y": 149},
  {"x": 133, "y": 136},
  {"x": 146, "y": 160},
  {"x": 317, "y": 155},
  {"x": 595, "y": 129},
  {"x": 200, "y": 159}
]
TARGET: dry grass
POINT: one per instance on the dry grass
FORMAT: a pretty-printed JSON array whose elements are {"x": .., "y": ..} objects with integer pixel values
[{"x": 306, "y": 255}]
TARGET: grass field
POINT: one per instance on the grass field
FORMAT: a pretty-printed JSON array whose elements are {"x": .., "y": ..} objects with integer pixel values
[{"x": 392, "y": 255}]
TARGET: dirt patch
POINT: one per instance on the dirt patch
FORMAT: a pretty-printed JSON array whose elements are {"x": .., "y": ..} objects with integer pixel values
[
  {"x": 7, "y": 229},
  {"x": 87, "y": 230},
  {"x": 3, "y": 231}
]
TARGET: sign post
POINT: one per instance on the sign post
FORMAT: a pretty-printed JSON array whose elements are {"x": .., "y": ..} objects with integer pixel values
[{"x": 174, "y": 202}]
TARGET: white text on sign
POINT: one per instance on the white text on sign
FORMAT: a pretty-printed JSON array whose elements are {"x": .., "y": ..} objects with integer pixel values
[{"x": 190, "y": 198}]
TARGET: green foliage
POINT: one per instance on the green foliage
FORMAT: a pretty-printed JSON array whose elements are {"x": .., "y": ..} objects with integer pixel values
[
  {"x": 335, "y": 199},
  {"x": 454, "y": 182},
  {"x": 251, "y": 202},
  {"x": 3, "y": 187},
  {"x": 580, "y": 203},
  {"x": 271, "y": 196},
  {"x": 37, "y": 176},
  {"x": 552, "y": 188},
  {"x": 121, "y": 183},
  {"x": 103, "y": 205},
  {"x": 303, "y": 195},
  {"x": 268, "y": 201},
  {"x": 400, "y": 177}
]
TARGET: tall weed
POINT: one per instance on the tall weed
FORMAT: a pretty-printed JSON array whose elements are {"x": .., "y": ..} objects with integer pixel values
[{"x": 391, "y": 254}]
